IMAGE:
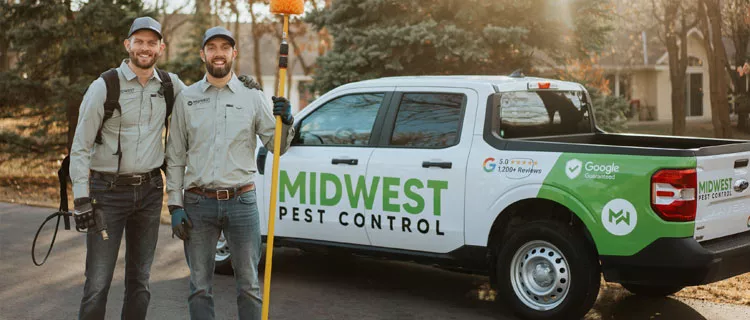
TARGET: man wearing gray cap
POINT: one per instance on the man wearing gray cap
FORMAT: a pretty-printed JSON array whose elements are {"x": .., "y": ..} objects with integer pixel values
[
  {"x": 214, "y": 129},
  {"x": 115, "y": 159}
]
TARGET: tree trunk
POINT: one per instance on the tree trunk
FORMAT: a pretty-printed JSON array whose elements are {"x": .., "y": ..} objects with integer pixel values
[
  {"x": 678, "y": 103},
  {"x": 677, "y": 67},
  {"x": 4, "y": 58},
  {"x": 710, "y": 17},
  {"x": 237, "y": 37},
  {"x": 675, "y": 39},
  {"x": 306, "y": 68},
  {"x": 71, "y": 110},
  {"x": 740, "y": 34},
  {"x": 256, "y": 35}
]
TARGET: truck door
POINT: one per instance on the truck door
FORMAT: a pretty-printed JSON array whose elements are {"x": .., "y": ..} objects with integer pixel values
[
  {"x": 418, "y": 170},
  {"x": 331, "y": 149}
]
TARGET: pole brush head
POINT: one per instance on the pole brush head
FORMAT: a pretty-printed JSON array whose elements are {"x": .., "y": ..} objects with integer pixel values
[{"x": 287, "y": 6}]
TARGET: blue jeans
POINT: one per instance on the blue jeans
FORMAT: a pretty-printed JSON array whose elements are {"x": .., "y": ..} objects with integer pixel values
[
  {"x": 136, "y": 210},
  {"x": 238, "y": 217}
]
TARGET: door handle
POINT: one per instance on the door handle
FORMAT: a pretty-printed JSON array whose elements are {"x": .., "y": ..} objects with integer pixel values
[
  {"x": 740, "y": 163},
  {"x": 352, "y": 162},
  {"x": 444, "y": 165}
]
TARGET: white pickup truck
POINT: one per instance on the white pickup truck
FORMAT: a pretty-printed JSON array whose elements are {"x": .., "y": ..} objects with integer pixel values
[{"x": 509, "y": 177}]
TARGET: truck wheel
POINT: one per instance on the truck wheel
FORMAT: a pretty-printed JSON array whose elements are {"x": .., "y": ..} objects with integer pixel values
[
  {"x": 651, "y": 290},
  {"x": 547, "y": 271},
  {"x": 223, "y": 258}
]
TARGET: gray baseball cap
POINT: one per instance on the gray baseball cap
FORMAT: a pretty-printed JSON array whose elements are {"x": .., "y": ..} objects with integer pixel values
[
  {"x": 145, "y": 23},
  {"x": 217, "y": 32}
]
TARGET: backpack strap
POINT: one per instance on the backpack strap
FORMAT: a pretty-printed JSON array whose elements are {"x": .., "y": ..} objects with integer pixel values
[
  {"x": 112, "y": 103},
  {"x": 166, "y": 83},
  {"x": 168, "y": 90}
]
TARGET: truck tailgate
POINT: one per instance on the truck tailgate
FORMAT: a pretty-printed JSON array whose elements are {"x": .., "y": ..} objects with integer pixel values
[{"x": 723, "y": 196}]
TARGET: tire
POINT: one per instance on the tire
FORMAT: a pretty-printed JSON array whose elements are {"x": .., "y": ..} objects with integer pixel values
[
  {"x": 223, "y": 258},
  {"x": 546, "y": 270},
  {"x": 651, "y": 290}
]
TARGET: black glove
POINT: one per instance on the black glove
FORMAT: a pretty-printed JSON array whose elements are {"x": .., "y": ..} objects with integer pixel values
[
  {"x": 250, "y": 82},
  {"x": 84, "y": 214},
  {"x": 281, "y": 107}
]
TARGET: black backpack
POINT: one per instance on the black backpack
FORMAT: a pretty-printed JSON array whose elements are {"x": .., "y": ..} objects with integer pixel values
[{"x": 111, "y": 103}]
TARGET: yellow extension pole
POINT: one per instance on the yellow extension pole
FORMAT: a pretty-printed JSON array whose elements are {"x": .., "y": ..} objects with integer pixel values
[{"x": 274, "y": 188}]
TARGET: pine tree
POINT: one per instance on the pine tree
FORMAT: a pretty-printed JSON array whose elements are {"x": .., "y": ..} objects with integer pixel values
[
  {"x": 376, "y": 38},
  {"x": 61, "y": 52}
]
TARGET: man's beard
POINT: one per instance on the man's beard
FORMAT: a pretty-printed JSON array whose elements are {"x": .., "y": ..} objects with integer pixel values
[
  {"x": 147, "y": 65},
  {"x": 219, "y": 72}
]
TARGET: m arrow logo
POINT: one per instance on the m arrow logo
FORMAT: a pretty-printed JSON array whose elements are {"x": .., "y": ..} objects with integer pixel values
[
  {"x": 573, "y": 168},
  {"x": 619, "y": 216}
]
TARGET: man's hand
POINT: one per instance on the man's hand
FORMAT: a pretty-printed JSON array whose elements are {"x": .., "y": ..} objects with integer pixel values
[
  {"x": 281, "y": 107},
  {"x": 84, "y": 214},
  {"x": 249, "y": 82},
  {"x": 181, "y": 223}
]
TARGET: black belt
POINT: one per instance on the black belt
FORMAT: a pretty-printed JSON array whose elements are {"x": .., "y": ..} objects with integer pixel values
[{"x": 126, "y": 179}]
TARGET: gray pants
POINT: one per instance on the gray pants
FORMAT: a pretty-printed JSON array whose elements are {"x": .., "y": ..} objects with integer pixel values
[
  {"x": 136, "y": 210},
  {"x": 239, "y": 219}
]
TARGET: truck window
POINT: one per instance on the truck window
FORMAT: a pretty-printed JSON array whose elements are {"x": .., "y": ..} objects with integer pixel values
[
  {"x": 428, "y": 120},
  {"x": 525, "y": 114},
  {"x": 344, "y": 121}
]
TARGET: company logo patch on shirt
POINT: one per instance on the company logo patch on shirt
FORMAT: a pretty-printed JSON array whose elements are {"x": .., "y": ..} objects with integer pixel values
[
  {"x": 204, "y": 100},
  {"x": 131, "y": 90}
]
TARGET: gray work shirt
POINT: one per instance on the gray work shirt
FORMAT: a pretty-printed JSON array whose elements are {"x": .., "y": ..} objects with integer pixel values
[
  {"x": 142, "y": 119},
  {"x": 213, "y": 135}
]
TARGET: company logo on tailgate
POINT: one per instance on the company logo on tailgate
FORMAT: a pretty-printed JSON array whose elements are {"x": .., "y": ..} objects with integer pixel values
[
  {"x": 619, "y": 217},
  {"x": 717, "y": 188}
]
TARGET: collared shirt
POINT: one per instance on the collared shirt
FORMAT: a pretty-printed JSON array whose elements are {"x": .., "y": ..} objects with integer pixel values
[
  {"x": 142, "y": 120},
  {"x": 212, "y": 139}
]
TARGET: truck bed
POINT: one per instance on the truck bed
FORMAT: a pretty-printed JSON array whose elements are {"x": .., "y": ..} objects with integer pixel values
[{"x": 634, "y": 144}]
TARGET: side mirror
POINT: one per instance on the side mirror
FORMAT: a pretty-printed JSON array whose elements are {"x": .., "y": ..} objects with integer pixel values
[{"x": 297, "y": 139}]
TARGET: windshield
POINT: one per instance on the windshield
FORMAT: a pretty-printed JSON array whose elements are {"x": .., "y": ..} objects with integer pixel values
[{"x": 541, "y": 113}]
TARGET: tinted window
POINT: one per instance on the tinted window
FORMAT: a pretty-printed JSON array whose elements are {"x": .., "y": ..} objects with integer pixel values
[
  {"x": 543, "y": 113},
  {"x": 347, "y": 120},
  {"x": 428, "y": 120}
]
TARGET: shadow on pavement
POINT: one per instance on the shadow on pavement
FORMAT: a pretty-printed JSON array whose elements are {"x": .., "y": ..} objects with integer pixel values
[{"x": 619, "y": 305}]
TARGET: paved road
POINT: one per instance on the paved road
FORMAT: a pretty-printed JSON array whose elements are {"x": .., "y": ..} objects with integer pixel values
[{"x": 305, "y": 286}]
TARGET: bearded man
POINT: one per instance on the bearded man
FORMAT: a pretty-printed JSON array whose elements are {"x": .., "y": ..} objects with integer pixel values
[{"x": 215, "y": 125}]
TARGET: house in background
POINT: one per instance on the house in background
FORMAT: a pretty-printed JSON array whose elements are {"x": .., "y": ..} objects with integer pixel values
[{"x": 637, "y": 68}]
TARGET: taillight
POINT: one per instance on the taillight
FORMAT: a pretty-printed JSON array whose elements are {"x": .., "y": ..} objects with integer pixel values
[{"x": 673, "y": 194}]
